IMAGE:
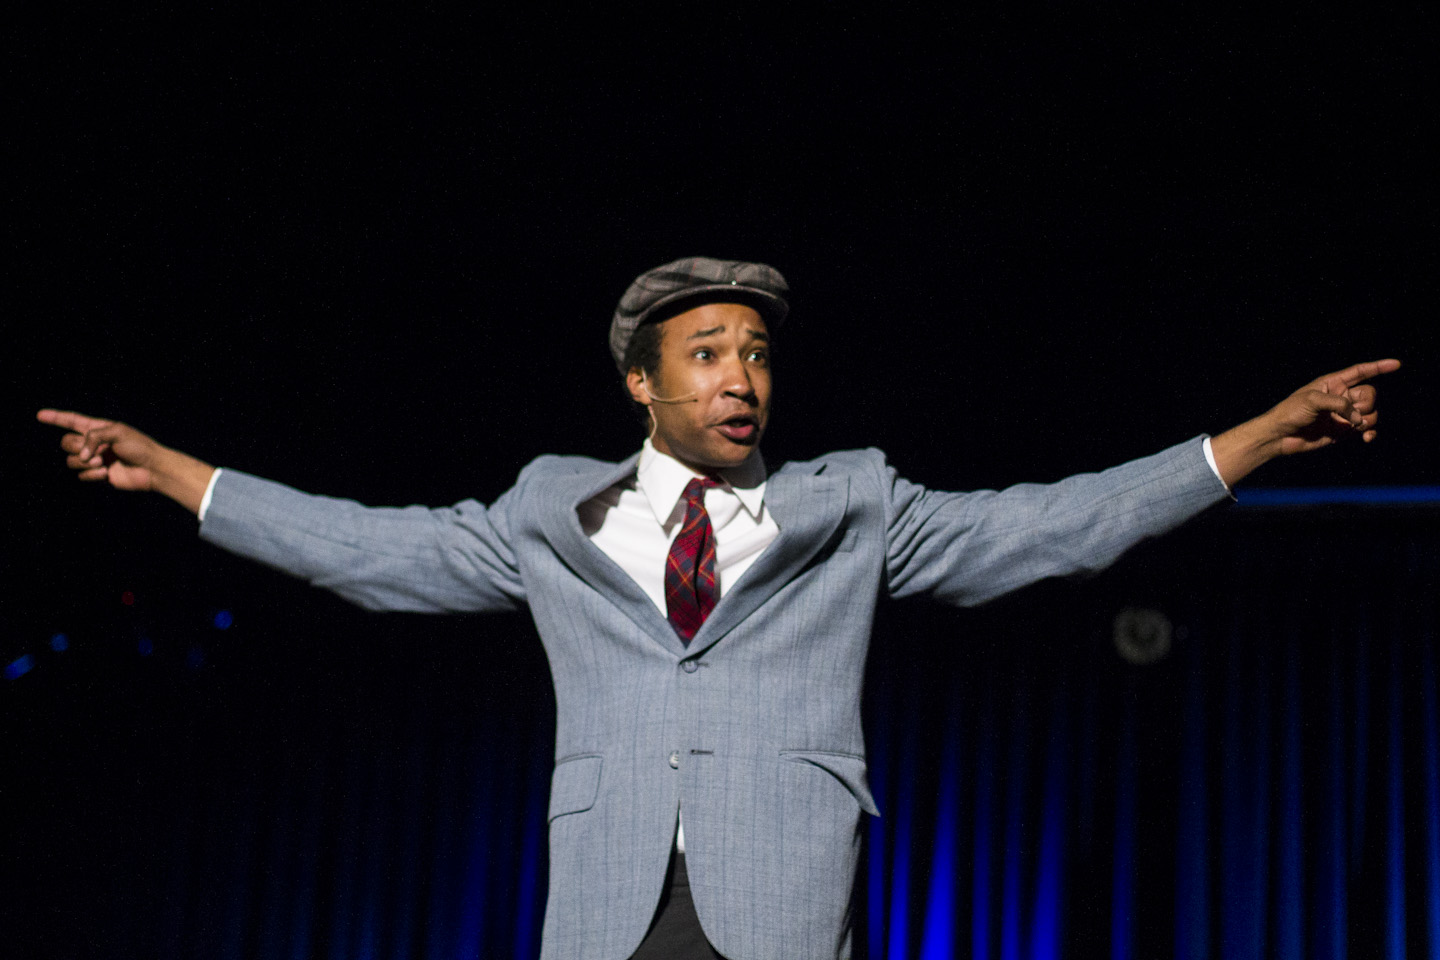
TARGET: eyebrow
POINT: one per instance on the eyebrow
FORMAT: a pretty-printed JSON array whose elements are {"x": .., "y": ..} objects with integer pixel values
[{"x": 754, "y": 334}]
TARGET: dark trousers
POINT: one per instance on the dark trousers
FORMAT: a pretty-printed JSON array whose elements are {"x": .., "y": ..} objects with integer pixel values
[{"x": 675, "y": 932}]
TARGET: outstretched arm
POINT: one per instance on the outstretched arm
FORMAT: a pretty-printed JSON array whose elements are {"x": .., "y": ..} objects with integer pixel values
[
  {"x": 1319, "y": 413},
  {"x": 128, "y": 459},
  {"x": 446, "y": 559},
  {"x": 968, "y": 548}
]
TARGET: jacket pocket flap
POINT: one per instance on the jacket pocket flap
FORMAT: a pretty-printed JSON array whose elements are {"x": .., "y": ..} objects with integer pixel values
[
  {"x": 574, "y": 785},
  {"x": 847, "y": 768}
]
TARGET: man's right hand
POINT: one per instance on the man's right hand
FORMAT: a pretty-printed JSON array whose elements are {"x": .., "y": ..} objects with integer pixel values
[{"x": 128, "y": 459}]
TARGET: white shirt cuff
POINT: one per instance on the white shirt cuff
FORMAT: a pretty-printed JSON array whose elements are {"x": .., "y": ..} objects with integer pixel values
[
  {"x": 210, "y": 489},
  {"x": 1210, "y": 459}
]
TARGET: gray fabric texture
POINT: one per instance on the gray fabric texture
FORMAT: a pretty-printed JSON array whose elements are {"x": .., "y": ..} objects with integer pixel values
[{"x": 762, "y": 710}]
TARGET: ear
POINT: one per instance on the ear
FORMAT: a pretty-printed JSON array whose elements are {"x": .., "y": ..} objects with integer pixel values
[{"x": 633, "y": 381}]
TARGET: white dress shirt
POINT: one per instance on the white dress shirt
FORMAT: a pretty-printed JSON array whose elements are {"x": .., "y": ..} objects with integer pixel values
[{"x": 635, "y": 522}]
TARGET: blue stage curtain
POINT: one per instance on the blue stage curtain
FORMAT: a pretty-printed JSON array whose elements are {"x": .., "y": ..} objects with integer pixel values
[
  {"x": 334, "y": 784},
  {"x": 1267, "y": 789}
]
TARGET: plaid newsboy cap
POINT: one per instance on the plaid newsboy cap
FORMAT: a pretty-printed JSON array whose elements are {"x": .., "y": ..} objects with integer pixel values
[{"x": 658, "y": 293}]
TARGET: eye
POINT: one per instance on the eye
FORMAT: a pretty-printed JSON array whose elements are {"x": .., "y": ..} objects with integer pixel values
[
  {"x": 704, "y": 353},
  {"x": 759, "y": 356}
]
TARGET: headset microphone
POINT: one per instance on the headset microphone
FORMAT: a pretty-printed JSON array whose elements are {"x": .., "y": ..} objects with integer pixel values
[{"x": 683, "y": 398}]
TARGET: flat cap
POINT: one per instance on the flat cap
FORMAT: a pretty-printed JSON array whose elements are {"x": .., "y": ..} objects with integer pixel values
[{"x": 661, "y": 292}]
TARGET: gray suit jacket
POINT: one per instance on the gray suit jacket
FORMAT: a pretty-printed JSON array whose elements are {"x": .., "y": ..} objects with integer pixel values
[{"x": 755, "y": 727}]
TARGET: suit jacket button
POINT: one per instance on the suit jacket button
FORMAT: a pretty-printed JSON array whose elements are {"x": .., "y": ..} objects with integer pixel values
[
  {"x": 675, "y": 760},
  {"x": 689, "y": 666}
]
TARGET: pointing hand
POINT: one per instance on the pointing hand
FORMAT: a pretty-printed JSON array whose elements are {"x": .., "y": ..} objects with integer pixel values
[{"x": 128, "y": 459}]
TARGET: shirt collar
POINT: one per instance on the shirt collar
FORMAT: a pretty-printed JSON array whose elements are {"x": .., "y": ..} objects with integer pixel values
[{"x": 662, "y": 479}]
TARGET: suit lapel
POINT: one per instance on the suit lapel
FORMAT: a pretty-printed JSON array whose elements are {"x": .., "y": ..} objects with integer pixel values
[
  {"x": 593, "y": 565},
  {"x": 807, "y": 508}
]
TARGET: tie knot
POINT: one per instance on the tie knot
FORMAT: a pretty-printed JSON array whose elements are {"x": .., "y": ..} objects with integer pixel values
[{"x": 695, "y": 489}]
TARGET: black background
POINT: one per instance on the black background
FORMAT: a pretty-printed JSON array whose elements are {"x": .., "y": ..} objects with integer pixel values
[{"x": 375, "y": 256}]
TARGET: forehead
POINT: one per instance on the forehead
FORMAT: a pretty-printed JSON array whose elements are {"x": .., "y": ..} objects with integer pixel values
[{"x": 714, "y": 318}]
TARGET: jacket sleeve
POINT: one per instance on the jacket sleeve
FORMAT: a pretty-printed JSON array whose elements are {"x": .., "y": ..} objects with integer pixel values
[
  {"x": 967, "y": 548},
  {"x": 423, "y": 559}
]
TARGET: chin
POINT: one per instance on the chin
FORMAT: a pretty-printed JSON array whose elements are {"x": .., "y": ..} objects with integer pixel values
[
  {"x": 734, "y": 454},
  {"x": 717, "y": 459},
  {"x": 714, "y": 453}
]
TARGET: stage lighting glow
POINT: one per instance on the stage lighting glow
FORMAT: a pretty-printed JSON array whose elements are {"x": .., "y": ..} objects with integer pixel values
[
  {"x": 1315, "y": 496},
  {"x": 20, "y": 666},
  {"x": 145, "y": 646},
  {"x": 128, "y": 598},
  {"x": 60, "y": 643},
  {"x": 223, "y": 619}
]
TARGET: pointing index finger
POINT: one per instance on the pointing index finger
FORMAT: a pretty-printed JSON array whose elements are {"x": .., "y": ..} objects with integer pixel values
[
  {"x": 69, "y": 419},
  {"x": 1362, "y": 372}
]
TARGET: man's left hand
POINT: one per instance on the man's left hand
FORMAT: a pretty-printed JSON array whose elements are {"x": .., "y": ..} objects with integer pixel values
[{"x": 1327, "y": 409}]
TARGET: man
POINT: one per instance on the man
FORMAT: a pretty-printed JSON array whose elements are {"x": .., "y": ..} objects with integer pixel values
[{"x": 707, "y": 621}]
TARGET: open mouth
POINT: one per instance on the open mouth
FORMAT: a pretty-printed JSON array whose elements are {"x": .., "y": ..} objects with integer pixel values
[{"x": 741, "y": 428}]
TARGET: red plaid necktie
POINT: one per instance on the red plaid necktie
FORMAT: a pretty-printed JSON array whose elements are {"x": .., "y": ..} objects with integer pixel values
[{"x": 690, "y": 590}]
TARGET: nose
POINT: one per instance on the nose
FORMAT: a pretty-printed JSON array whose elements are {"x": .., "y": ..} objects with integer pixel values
[{"x": 737, "y": 380}]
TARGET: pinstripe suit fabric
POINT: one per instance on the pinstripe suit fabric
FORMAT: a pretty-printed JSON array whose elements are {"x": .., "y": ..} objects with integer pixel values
[{"x": 761, "y": 711}]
